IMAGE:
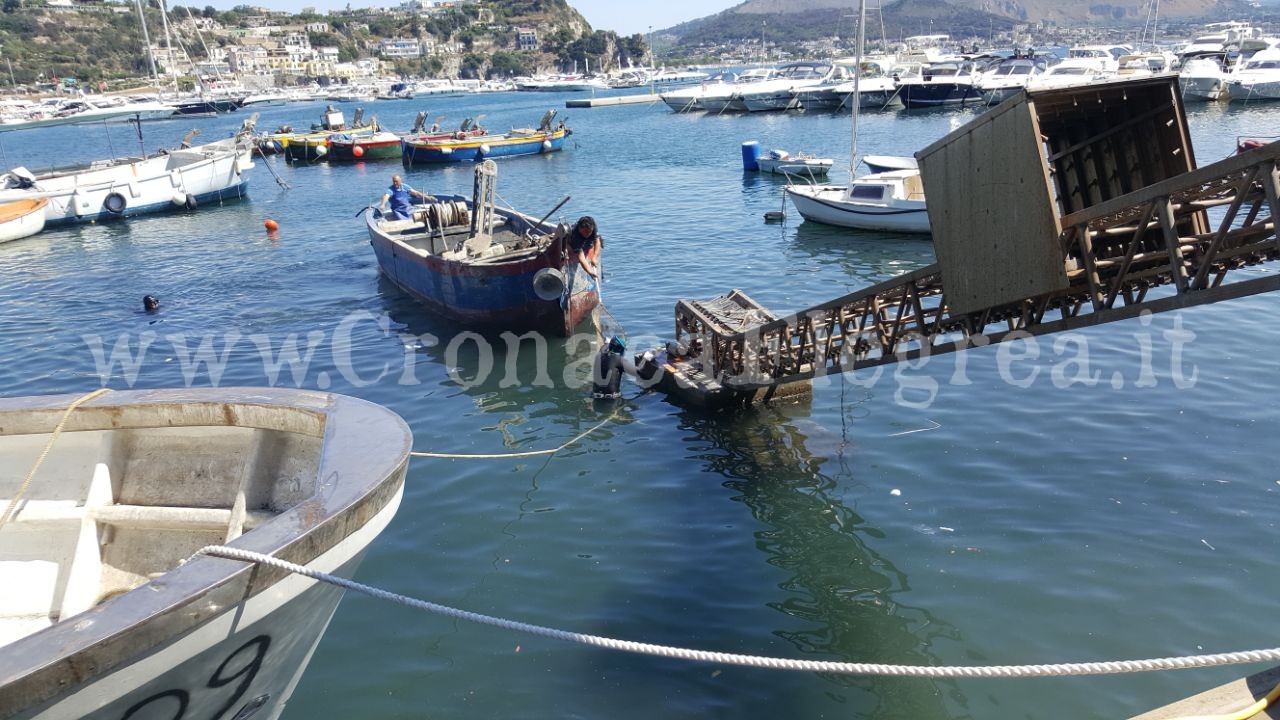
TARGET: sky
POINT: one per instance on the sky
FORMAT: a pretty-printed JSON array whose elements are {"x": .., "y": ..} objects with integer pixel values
[{"x": 625, "y": 17}]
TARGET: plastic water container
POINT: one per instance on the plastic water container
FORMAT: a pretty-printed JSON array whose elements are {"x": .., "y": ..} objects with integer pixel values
[{"x": 750, "y": 155}]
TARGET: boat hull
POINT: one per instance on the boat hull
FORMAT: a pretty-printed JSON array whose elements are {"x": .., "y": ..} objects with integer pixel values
[
  {"x": 208, "y": 637},
  {"x": 481, "y": 148},
  {"x": 794, "y": 167},
  {"x": 341, "y": 151},
  {"x": 826, "y": 205},
  {"x": 22, "y": 218},
  {"x": 488, "y": 295},
  {"x": 939, "y": 94},
  {"x": 181, "y": 179}
]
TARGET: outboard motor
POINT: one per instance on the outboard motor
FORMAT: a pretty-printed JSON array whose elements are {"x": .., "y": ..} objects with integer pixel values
[
  {"x": 359, "y": 117},
  {"x": 419, "y": 122}
]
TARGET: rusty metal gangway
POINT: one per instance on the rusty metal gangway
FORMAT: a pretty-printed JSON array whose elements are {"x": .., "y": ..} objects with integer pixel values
[{"x": 1190, "y": 237}]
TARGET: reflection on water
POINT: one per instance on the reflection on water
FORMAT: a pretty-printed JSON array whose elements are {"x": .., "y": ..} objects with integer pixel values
[{"x": 851, "y": 598}]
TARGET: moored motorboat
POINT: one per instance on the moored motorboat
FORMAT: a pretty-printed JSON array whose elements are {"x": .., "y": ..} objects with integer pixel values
[
  {"x": 22, "y": 218},
  {"x": 484, "y": 265},
  {"x": 781, "y": 162},
  {"x": 120, "y": 187},
  {"x": 103, "y": 617},
  {"x": 889, "y": 201}
]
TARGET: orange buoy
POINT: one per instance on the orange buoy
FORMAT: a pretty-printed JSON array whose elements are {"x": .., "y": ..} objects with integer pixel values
[
  {"x": 270, "y": 225},
  {"x": 357, "y": 151}
]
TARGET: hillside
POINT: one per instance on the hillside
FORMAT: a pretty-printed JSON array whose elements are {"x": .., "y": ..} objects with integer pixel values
[
  {"x": 790, "y": 21},
  {"x": 1032, "y": 11},
  {"x": 103, "y": 41}
]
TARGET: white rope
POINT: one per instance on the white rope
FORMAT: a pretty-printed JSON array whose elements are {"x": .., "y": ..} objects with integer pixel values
[
  {"x": 53, "y": 436},
  {"x": 844, "y": 668},
  {"x": 525, "y": 453}
]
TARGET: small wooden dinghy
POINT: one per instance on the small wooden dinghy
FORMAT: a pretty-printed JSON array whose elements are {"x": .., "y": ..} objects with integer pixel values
[
  {"x": 102, "y": 617},
  {"x": 21, "y": 218}
]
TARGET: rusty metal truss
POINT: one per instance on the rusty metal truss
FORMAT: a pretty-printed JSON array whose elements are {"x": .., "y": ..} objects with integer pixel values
[{"x": 1186, "y": 241}]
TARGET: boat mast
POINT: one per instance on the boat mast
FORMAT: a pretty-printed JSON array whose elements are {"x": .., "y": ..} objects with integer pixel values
[
  {"x": 155, "y": 77},
  {"x": 168, "y": 43},
  {"x": 857, "y": 79}
]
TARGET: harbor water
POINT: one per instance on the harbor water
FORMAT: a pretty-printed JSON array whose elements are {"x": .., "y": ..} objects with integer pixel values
[{"x": 1101, "y": 495}]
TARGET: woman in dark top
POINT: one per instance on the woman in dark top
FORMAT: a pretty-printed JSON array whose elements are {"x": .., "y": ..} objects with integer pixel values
[{"x": 587, "y": 243}]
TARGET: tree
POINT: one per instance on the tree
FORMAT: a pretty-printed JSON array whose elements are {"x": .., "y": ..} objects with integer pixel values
[
  {"x": 210, "y": 12},
  {"x": 506, "y": 64},
  {"x": 12, "y": 5}
]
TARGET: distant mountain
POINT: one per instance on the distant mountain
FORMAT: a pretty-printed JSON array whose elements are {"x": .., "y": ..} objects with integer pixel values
[{"x": 796, "y": 20}]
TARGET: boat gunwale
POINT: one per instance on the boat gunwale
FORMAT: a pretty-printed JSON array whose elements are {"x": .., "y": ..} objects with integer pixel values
[{"x": 352, "y": 485}]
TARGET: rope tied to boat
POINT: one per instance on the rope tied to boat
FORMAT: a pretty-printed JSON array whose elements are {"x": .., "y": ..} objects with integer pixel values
[
  {"x": 526, "y": 453},
  {"x": 57, "y": 430},
  {"x": 756, "y": 661}
]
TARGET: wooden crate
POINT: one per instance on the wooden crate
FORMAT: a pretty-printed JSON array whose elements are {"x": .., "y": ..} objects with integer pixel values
[{"x": 999, "y": 186}]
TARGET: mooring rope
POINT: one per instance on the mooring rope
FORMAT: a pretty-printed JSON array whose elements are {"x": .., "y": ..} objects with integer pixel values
[
  {"x": 57, "y": 430},
  {"x": 526, "y": 453},
  {"x": 756, "y": 661}
]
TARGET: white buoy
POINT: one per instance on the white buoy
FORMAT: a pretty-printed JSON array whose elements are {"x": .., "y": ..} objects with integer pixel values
[
  {"x": 484, "y": 149},
  {"x": 546, "y": 146},
  {"x": 179, "y": 198}
]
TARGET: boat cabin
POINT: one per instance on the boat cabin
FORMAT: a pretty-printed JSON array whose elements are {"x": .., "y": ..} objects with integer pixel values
[{"x": 1002, "y": 187}]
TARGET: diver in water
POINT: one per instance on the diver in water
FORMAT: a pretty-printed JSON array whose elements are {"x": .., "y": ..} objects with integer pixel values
[
  {"x": 150, "y": 303},
  {"x": 607, "y": 370}
]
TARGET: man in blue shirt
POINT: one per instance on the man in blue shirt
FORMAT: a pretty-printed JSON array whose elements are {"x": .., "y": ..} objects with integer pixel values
[{"x": 400, "y": 196}]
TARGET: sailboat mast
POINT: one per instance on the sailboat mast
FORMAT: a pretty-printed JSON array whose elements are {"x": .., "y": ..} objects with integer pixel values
[
  {"x": 155, "y": 77},
  {"x": 857, "y": 79},
  {"x": 168, "y": 43}
]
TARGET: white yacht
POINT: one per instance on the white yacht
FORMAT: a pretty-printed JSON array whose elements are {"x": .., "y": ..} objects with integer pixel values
[
  {"x": 689, "y": 99},
  {"x": 728, "y": 98},
  {"x": 1202, "y": 79},
  {"x": 1008, "y": 78},
  {"x": 778, "y": 92},
  {"x": 1257, "y": 79}
]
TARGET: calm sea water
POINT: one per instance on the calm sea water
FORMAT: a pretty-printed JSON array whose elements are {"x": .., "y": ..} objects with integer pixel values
[{"x": 940, "y": 515}]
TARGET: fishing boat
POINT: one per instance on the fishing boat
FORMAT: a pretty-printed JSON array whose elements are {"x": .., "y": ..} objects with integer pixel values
[
  {"x": 379, "y": 145},
  {"x": 473, "y": 262},
  {"x": 104, "y": 617},
  {"x": 121, "y": 187},
  {"x": 314, "y": 145},
  {"x": 21, "y": 218},
  {"x": 463, "y": 147},
  {"x": 892, "y": 200}
]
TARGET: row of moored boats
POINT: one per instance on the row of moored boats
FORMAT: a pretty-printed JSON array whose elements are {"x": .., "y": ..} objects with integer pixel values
[{"x": 1235, "y": 65}]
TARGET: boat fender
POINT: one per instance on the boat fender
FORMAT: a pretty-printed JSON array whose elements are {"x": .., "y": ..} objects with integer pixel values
[
  {"x": 546, "y": 146},
  {"x": 446, "y": 151},
  {"x": 114, "y": 203},
  {"x": 321, "y": 150},
  {"x": 277, "y": 146},
  {"x": 179, "y": 199},
  {"x": 189, "y": 202},
  {"x": 484, "y": 149},
  {"x": 548, "y": 284}
]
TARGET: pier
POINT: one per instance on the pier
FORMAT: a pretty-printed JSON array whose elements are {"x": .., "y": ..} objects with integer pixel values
[
  {"x": 595, "y": 102},
  {"x": 1047, "y": 216}
]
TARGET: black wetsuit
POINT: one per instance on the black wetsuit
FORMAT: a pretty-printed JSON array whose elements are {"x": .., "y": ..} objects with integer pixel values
[{"x": 606, "y": 375}]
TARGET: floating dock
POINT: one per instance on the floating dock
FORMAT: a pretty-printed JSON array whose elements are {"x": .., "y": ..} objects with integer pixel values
[
  {"x": 595, "y": 102},
  {"x": 1058, "y": 209}
]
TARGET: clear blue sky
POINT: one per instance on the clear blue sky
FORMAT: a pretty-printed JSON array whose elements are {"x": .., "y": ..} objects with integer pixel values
[{"x": 626, "y": 17}]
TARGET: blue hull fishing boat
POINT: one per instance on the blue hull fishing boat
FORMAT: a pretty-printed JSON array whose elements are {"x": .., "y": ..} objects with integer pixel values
[
  {"x": 468, "y": 146},
  {"x": 478, "y": 264}
]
